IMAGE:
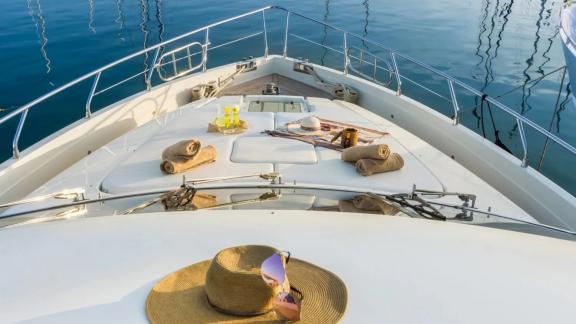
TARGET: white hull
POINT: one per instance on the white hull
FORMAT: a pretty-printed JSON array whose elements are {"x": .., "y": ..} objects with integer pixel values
[{"x": 568, "y": 34}]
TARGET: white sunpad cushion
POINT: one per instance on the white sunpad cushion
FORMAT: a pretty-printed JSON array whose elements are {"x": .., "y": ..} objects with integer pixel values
[
  {"x": 260, "y": 149},
  {"x": 331, "y": 110},
  {"x": 331, "y": 170},
  {"x": 339, "y": 110},
  {"x": 326, "y": 109},
  {"x": 141, "y": 170}
]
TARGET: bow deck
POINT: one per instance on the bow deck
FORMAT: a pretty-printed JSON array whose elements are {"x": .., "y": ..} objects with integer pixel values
[{"x": 131, "y": 162}]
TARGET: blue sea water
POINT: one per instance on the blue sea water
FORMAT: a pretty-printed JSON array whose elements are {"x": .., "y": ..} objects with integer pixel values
[{"x": 497, "y": 46}]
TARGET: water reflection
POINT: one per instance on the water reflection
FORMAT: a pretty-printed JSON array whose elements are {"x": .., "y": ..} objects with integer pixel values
[
  {"x": 541, "y": 21},
  {"x": 486, "y": 57},
  {"x": 325, "y": 37},
  {"x": 40, "y": 24},
  {"x": 495, "y": 16},
  {"x": 483, "y": 29},
  {"x": 120, "y": 19},
  {"x": 159, "y": 21},
  {"x": 504, "y": 13},
  {"x": 144, "y": 20},
  {"x": 91, "y": 16},
  {"x": 527, "y": 91},
  {"x": 366, "y": 5},
  {"x": 563, "y": 105},
  {"x": 487, "y": 60}
]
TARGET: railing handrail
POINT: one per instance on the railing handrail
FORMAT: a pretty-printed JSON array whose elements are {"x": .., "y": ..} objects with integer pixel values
[
  {"x": 464, "y": 85},
  {"x": 520, "y": 119},
  {"x": 122, "y": 60}
]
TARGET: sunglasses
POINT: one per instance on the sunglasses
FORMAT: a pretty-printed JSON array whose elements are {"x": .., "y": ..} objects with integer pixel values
[{"x": 273, "y": 272}]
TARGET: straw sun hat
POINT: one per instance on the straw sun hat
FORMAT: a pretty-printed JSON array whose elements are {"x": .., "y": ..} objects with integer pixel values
[
  {"x": 230, "y": 288},
  {"x": 307, "y": 126}
]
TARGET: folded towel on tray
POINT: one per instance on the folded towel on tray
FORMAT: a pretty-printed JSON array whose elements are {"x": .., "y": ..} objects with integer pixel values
[
  {"x": 355, "y": 153},
  {"x": 186, "y": 148},
  {"x": 186, "y": 155}
]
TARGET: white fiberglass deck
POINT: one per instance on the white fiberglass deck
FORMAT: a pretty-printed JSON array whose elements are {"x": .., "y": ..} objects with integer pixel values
[
  {"x": 397, "y": 270},
  {"x": 253, "y": 152},
  {"x": 131, "y": 162}
]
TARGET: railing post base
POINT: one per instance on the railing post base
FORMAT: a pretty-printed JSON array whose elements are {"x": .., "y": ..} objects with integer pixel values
[
  {"x": 456, "y": 119},
  {"x": 524, "y": 142},
  {"x": 346, "y": 59},
  {"x": 15, "y": 150},
  {"x": 397, "y": 73},
  {"x": 205, "y": 50},
  {"x": 91, "y": 95}
]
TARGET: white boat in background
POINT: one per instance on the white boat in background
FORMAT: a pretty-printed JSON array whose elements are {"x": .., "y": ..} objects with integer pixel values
[
  {"x": 85, "y": 235},
  {"x": 568, "y": 35}
]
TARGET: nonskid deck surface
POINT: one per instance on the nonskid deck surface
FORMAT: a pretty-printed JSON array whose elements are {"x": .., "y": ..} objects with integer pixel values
[
  {"x": 131, "y": 162},
  {"x": 288, "y": 87}
]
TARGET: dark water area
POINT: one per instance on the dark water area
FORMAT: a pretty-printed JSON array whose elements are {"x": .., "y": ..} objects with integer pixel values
[{"x": 505, "y": 48}]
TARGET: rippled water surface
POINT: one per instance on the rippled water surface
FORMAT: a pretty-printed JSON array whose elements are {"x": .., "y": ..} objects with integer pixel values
[{"x": 501, "y": 47}]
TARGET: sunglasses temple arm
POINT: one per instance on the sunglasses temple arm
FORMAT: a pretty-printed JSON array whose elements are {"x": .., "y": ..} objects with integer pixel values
[{"x": 298, "y": 292}]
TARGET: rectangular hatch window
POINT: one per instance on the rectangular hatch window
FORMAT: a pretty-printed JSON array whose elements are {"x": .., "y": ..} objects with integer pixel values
[{"x": 274, "y": 106}]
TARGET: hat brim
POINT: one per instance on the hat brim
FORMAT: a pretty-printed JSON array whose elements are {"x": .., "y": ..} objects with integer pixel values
[
  {"x": 296, "y": 129},
  {"x": 180, "y": 297}
]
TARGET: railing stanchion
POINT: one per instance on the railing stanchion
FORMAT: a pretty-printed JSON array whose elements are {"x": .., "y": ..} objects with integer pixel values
[
  {"x": 15, "y": 150},
  {"x": 205, "y": 50},
  {"x": 545, "y": 148},
  {"x": 524, "y": 143},
  {"x": 346, "y": 59},
  {"x": 174, "y": 65},
  {"x": 265, "y": 34},
  {"x": 91, "y": 95},
  {"x": 456, "y": 119},
  {"x": 189, "y": 57},
  {"x": 397, "y": 73},
  {"x": 286, "y": 34},
  {"x": 375, "y": 69},
  {"x": 151, "y": 72}
]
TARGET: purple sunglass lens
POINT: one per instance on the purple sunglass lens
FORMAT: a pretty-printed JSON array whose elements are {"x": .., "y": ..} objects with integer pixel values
[
  {"x": 286, "y": 306},
  {"x": 272, "y": 270}
]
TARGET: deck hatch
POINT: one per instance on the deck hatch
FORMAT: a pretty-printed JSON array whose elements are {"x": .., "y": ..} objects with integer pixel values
[{"x": 274, "y": 106}]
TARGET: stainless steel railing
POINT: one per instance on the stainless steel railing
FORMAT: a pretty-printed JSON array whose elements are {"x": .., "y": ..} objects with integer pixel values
[
  {"x": 391, "y": 68},
  {"x": 521, "y": 121},
  {"x": 169, "y": 58},
  {"x": 23, "y": 111}
]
